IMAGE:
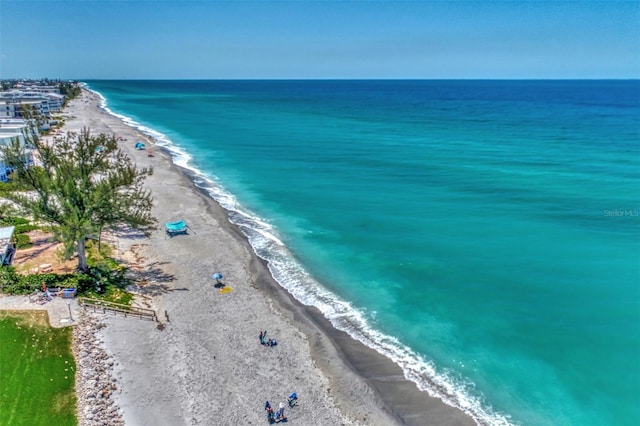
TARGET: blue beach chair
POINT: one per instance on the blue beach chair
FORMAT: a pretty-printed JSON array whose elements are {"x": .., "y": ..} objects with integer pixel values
[{"x": 292, "y": 399}]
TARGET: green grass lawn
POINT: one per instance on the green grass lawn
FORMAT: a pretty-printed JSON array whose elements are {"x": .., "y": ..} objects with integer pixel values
[{"x": 37, "y": 371}]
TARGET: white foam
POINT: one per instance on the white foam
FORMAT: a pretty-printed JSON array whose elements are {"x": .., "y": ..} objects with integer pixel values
[{"x": 343, "y": 315}]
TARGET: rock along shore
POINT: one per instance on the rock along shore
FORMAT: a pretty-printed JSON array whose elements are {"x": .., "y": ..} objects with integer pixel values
[{"x": 95, "y": 382}]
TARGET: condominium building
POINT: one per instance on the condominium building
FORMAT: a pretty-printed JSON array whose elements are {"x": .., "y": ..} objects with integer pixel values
[
  {"x": 43, "y": 104},
  {"x": 10, "y": 130}
]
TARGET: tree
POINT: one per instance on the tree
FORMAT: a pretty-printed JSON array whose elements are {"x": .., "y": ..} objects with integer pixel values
[
  {"x": 70, "y": 89},
  {"x": 80, "y": 185}
]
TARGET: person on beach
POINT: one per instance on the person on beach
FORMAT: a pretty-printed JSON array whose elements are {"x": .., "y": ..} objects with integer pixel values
[
  {"x": 281, "y": 411},
  {"x": 262, "y": 342},
  {"x": 270, "y": 413}
]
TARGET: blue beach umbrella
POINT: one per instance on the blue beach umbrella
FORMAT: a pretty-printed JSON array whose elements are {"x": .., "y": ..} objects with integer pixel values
[{"x": 217, "y": 276}]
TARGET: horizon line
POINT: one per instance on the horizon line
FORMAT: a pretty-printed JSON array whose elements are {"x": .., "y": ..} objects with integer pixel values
[
  {"x": 327, "y": 79},
  {"x": 361, "y": 79}
]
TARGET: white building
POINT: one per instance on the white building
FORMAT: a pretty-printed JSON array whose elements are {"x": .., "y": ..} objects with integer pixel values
[
  {"x": 11, "y": 103},
  {"x": 42, "y": 89},
  {"x": 56, "y": 101},
  {"x": 11, "y": 129},
  {"x": 6, "y": 111},
  {"x": 12, "y": 108}
]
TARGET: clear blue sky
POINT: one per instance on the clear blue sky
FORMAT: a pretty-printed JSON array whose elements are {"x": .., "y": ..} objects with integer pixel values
[{"x": 319, "y": 39}]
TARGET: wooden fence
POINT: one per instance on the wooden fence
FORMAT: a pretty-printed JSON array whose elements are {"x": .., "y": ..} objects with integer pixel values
[{"x": 102, "y": 305}]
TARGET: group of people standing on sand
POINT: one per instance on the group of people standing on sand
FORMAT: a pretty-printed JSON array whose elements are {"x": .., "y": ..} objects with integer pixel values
[
  {"x": 264, "y": 341},
  {"x": 274, "y": 416},
  {"x": 278, "y": 416}
]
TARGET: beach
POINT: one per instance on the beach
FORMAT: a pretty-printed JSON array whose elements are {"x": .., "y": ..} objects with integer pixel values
[{"x": 205, "y": 364}]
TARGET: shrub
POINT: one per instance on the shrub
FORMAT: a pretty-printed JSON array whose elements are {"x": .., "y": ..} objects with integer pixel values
[
  {"x": 14, "y": 220},
  {"x": 83, "y": 283},
  {"x": 8, "y": 277},
  {"x": 23, "y": 241},
  {"x": 98, "y": 281},
  {"x": 25, "y": 284},
  {"x": 25, "y": 227},
  {"x": 106, "y": 280},
  {"x": 105, "y": 277},
  {"x": 100, "y": 254}
]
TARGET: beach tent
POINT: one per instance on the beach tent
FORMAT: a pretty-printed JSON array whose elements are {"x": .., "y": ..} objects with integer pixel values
[
  {"x": 139, "y": 145},
  {"x": 175, "y": 228}
]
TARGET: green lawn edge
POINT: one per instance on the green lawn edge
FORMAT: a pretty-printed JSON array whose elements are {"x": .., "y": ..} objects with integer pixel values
[{"x": 37, "y": 371}]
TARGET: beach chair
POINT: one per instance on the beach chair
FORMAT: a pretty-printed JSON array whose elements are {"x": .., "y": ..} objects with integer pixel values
[
  {"x": 175, "y": 228},
  {"x": 292, "y": 399}
]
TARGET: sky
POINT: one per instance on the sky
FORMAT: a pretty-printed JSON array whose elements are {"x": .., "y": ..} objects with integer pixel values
[{"x": 182, "y": 39}]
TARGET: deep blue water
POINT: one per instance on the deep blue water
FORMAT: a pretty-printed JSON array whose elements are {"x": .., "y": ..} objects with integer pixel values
[{"x": 483, "y": 234}]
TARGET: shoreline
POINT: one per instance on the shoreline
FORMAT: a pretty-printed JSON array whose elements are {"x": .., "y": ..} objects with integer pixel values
[{"x": 365, "y": 386}]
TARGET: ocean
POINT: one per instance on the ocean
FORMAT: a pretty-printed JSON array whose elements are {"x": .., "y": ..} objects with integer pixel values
[{"x": 485, "y": 235}]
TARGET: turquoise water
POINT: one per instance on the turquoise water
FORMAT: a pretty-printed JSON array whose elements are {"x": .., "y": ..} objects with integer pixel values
[{"x": 483, "y": 234}]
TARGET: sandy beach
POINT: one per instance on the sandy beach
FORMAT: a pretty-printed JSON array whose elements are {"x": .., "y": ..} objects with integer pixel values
[{"x": 205, "y": 366}]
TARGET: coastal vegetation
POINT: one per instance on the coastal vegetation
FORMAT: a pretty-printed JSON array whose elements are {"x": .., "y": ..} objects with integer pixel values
[
  {"x": 41, "y": 371},
  {"x": 80, "y": 186},
  {"x": 106, "y": 278},
  {"x": 99, "y": 282},
  {"x": 70, "y": 89}
]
